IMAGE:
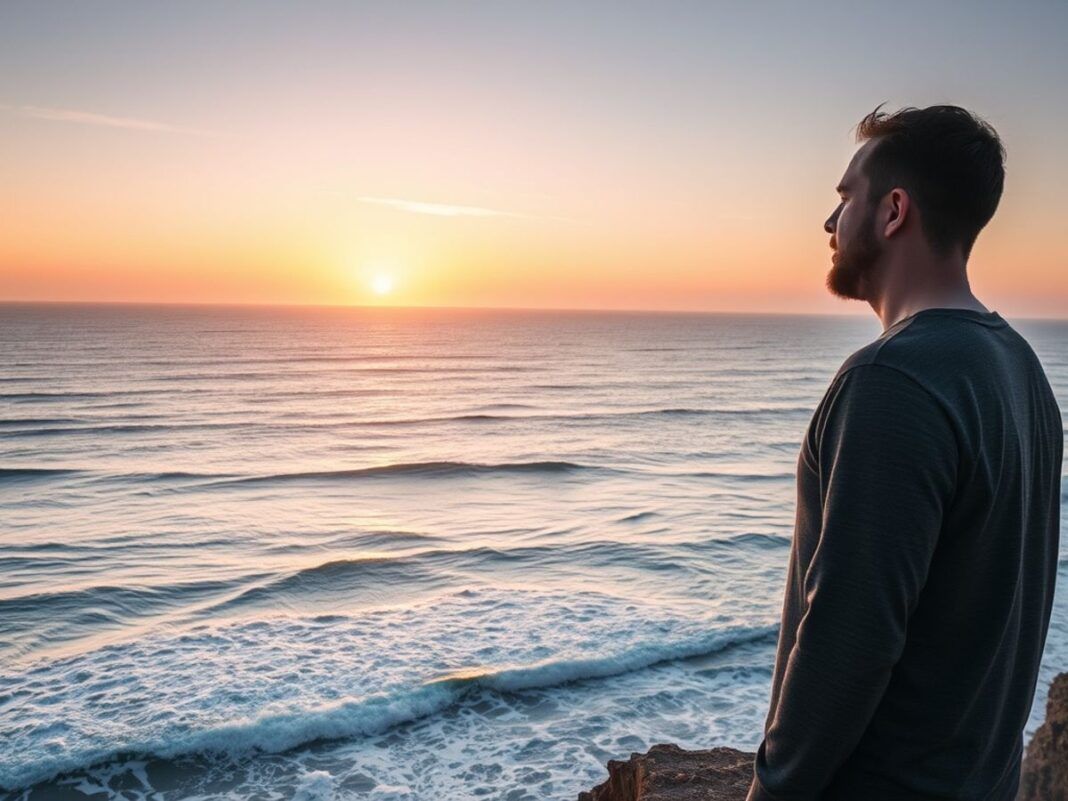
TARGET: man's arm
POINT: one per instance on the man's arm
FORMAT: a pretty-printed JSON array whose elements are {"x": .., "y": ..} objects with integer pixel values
[{"x": 887, "y": 465}]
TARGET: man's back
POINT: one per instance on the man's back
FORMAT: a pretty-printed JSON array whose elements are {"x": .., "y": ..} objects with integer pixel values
[{"x": 922, "y": 569}]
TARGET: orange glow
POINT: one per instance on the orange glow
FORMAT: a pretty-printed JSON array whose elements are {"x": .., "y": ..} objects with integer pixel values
[
  {"x": 84, "y": 249},
  {"x": 455, "y": 205}
]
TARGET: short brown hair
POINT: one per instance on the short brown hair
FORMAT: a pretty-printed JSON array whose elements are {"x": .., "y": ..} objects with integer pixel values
[{"x": 950, "y": 161}]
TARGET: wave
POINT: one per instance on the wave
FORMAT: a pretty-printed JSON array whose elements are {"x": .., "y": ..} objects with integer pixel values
[
  {"x": 440, "y": 469},
  {"x": 741, "y": 476},
  {"x": 37, "y": 397},
  {"x": 113, "y": 601},
  {"x": 638, "y": 517},
  {"x": 82, "y": 610},
  {"x": 744, "y": 411},
  {"x": 12, "y": 474},
  {"x": 760, "y": 540},
  {"x": 42, "y": 619},
  {"x": 40, "y": 421},
  {"x": 124, "y": 428},
  {"x": 584, "y": 416},
  {"x": 29, "y": 473},
  {"x": 280, "y": 732},
  {"x": 557, "y": 672},
  {"x": 54, "y": 427},
  {"x": 429, "y": 469},
  {"x": 427, "y": 568}
]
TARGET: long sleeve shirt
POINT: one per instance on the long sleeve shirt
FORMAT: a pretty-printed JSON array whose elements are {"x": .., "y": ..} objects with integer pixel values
[{"x": 922, "y": 570}]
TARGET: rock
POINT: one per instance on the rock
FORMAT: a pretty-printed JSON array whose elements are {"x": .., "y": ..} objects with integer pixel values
[
  {"x": 1044, "y": 776},
  {"x": 668, "y": 773}
]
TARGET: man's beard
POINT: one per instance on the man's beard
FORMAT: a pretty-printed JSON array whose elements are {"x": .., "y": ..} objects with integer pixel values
[{"x": 855, "y": 263}]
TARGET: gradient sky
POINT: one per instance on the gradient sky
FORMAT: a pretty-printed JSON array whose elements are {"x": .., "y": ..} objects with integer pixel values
[{"x": 661, "y": 155}]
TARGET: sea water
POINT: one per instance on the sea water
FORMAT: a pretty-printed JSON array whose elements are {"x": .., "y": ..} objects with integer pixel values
[{"x": 263, "y": 553}]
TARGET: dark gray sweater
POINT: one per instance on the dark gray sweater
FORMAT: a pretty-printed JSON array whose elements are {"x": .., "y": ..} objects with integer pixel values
[{"x": 921, "y": 573}]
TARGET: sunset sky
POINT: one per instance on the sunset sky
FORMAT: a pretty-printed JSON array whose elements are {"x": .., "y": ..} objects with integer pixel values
[{"x": 661, "y": 155}]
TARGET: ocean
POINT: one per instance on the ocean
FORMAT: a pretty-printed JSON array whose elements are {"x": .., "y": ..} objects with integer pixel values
[{"x": 315, "y": 553}]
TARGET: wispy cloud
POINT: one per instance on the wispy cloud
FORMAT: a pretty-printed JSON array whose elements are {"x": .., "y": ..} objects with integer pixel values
[
  {"x": 104, "y": 120},
  {"x": 438, "y": 209}
]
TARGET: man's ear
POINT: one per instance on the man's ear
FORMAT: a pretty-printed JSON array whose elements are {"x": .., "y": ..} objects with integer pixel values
[{"x": 899, "y": 205}]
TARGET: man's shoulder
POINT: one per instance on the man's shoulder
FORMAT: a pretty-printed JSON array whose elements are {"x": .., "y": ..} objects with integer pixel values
[{"x": 932, "y": 350}]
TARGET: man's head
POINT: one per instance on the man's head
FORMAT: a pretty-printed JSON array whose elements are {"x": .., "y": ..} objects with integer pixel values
[{"x": 924, "y": 178}]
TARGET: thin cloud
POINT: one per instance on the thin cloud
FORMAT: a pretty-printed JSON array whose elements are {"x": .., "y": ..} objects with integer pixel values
[
  {"x": 438, "y": 209},
  {"x": 452, "y": 209},
  {"x": 103, "y": 120}
]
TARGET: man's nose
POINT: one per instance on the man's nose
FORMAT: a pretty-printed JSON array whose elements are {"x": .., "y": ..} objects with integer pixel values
[{"x": 829, "y": 224}]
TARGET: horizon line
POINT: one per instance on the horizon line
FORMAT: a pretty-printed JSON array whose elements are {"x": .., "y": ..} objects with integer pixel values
[{"x": 385, "y": 307}]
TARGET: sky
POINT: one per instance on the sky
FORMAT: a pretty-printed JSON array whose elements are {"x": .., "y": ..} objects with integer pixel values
[{"x": 659, "y": 155}]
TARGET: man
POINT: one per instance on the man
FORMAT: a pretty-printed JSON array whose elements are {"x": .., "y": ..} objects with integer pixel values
[{"x": 925, "y": 548}]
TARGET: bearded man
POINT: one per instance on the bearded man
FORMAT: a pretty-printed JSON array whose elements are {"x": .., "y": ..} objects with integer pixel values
[{"x": 925, "y": 547}]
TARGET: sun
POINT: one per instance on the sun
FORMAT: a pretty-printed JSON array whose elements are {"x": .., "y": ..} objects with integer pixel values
[{"x": 382, "y": 283}]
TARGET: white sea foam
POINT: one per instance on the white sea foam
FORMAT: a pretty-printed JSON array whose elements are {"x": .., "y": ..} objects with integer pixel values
[
  {"x": 315, "y": 785},
  {"x": 292, "y": 681}
]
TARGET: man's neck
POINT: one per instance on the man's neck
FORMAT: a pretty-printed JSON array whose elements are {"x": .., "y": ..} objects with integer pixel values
[
  {"x": 892, "y": 314},
  {"x": 946, "y": 288}
]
